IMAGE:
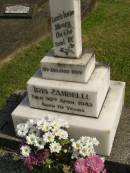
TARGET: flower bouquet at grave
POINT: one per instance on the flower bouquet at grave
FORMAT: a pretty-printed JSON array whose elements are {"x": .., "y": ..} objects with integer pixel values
[{"x": 47, "y": 148}]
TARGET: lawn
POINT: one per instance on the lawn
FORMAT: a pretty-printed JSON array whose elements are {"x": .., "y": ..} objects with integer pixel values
[{"x": 107, "y": 30}]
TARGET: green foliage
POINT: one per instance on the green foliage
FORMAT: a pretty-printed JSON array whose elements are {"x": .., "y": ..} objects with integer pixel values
[
  {"x": 14, "y": 74},
  {"x": 50, "y": 166},
  {"x": 107, "y": 30}
]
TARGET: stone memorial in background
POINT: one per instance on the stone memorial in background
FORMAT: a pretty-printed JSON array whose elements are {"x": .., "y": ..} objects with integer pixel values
[
  {"x": 16, "y": 10},
  {"x": 71, "y": 85}
]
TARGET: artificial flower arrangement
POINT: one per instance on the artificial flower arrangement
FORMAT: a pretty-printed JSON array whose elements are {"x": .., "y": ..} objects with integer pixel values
[{"x": 47, "y": 148}]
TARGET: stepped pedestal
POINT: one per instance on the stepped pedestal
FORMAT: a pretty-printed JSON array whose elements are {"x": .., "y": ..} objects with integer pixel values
[
  {"x": 103, "y": 128},
  {"x": 74, "y": 70},
  {"x": 70, "y": 97}
]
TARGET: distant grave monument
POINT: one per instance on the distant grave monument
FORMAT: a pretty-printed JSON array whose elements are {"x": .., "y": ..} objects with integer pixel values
[
  {"x": 16, "y": 10},
  {"x": 72, "y": 85}
]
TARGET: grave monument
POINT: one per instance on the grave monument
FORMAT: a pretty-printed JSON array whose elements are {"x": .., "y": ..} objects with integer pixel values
[
  {"x": 72, "y": 85},
  {"x": 15, "y": 10}
]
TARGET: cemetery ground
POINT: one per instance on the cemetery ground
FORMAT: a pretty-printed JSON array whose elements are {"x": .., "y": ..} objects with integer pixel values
[{"x": 107, "y": 30}]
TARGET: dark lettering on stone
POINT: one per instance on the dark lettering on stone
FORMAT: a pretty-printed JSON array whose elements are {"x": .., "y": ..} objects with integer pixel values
[
  {"x": 45, "y": 69},
  {"x": 51, "y": 99},
  {"x": 60, "y": 106},
  {"x": 48, "y": 105},
  {"x": 62, "y": 16},
  {"x": 76, "y": 72},
  {"x": 74, "y": 109},
  {"x": 77, "y": 95},
  {"x": 59, "y": 26},
  {"x": 88, "y": 104},
  {"x": 37, "y": 97},
  {"x": 64, "y": 101},
  {"x": 40, "y": 90},
  {"x": 60, "y": 43}
]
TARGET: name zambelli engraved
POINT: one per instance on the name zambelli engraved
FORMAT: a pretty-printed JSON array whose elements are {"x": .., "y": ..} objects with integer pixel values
[{"x": 56, "y": 92}]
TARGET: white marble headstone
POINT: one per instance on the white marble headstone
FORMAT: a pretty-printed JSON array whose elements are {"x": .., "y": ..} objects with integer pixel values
[
  {"x": 70, "y": 97},
  {"x": 66, "y": 27}
]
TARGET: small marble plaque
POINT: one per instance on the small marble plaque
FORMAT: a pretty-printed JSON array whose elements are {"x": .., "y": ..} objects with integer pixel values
[
  {"x": 76, "y": 70},
  {"x": 66, "y": 27},
  {"x": 103, "y": 128},
  {"x": 17, "y": 9},
  {"x": 70, "y": 97}
]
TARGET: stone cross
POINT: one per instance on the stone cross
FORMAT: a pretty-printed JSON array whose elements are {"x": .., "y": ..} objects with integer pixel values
[{"x": 66, "y": 28}]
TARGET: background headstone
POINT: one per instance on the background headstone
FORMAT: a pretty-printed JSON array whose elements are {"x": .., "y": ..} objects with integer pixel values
[
  {"x": 16, "y": 10},
  {"x": 14, "y": 36}
]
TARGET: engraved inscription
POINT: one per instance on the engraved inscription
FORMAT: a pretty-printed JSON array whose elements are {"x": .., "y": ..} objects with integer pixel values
[
  {"x": 64, "y": 31},
  {"x": 61, "y": 100},
  {"x": 61, "y": 70}
]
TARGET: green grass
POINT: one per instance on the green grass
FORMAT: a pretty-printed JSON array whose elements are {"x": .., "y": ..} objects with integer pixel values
[
  {"x": 107, "y": 30},
  {"x": 14, "y": 74}
]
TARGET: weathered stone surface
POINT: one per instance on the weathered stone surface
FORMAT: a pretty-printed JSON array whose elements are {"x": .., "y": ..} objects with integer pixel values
[
  {"x": 74, "y": 70},
  {"x": 70, "y": 97},
  {"x": 103, "y": 128}
]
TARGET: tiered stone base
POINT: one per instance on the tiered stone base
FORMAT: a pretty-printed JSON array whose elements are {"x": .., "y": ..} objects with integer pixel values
[
  {"x": 103, "y": 128},
  {"x": 70, "y": 97},
  {"x": 74, "y": 70}
]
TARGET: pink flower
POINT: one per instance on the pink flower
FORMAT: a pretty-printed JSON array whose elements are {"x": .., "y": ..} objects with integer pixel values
[
  {"x": 42, "y": 155},
  {"x": 36, "y": 159},
  {"x": 92, "y": 164},
  {"x": 30, "y": 161},
  {"x": 80, "y": 166}
]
